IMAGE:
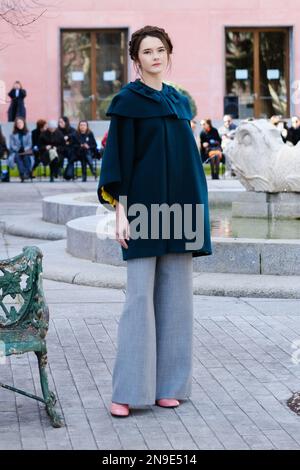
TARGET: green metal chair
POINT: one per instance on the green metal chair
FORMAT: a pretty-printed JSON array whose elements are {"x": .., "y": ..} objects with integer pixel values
[{"x": 24, "y": 319}]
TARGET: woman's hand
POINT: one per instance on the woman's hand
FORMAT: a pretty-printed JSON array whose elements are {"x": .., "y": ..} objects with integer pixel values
[{"x": 122, "y": 225}]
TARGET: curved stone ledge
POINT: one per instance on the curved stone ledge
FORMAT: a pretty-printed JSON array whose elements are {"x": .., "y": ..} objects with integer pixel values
[
  {"x": 61, "y": 208},
  {"x": 230, "y": 255}
]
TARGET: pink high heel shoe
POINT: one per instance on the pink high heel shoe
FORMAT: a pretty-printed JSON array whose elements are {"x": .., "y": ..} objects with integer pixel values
[
  {"x": 167, "y": 402},
  {"x": 118, "y": 409}
]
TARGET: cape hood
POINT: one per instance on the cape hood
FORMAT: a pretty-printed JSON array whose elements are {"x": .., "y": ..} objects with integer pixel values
[{"x": 138, "y": 100}]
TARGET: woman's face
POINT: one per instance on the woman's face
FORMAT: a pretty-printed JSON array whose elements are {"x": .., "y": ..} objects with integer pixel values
[
  {"x": 206, "y": 126},
  {"x": 20, "y": 124},
  {"x": 152, "y": 51},
  {"x": 83, "y": 127},
  {"x": 61, "y": 123}
]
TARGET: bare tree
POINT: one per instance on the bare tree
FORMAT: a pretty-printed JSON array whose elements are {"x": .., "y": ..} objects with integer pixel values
[{"x": 20, "y": 14}]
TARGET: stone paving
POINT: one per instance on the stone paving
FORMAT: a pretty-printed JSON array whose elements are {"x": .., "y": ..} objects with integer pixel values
[{"x": 245, "y": 368}]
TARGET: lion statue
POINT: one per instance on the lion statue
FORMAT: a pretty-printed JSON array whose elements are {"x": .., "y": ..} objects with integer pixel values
[{"x": 261, "y": 160}]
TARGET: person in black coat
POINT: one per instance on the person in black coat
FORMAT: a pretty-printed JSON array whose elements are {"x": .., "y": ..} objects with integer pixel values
[
  {"x": 51, "y": 145},
  {"x": 86, "y": 147},
  {"x": 68, "y": 132},
  {"x": 17, "y": 107},
  {"x": 210, "y": 146},
  {"x": 41, "y": 126}
]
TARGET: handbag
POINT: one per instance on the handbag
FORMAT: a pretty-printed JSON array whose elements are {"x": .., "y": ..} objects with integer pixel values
[
  {"x": 11, "y": 161},
  {"x": 53, "y": 154},
  {"x": 69, "y": 171}
]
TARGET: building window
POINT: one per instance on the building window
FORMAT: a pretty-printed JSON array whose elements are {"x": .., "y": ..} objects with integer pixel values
[
  {"x": 93, "y": 69},
  {"x": 257, "y": 71}
]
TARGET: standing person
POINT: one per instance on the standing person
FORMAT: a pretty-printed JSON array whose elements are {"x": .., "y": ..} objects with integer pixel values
[
  {"x": 51, "y": 144},
  {"x": 85, "y": 147},
  {"x": 41, "y": 126},
  {"x": 211, "y": 147},
  {"x": 151, "y": 160},
  {"x": 17, "y": 107},
  {"x": 20, "y": 147}
]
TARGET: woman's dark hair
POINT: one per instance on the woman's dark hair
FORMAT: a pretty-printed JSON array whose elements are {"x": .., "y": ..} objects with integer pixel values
[
  {"x": 78, "y": 127},
  {"x": 208, "y": 121},
  {"x": 67, "y": 121},
  {"x": 16, "y": 130},
  {"x": 140, "y": 34},
  {"x": 40, "y": 123}
]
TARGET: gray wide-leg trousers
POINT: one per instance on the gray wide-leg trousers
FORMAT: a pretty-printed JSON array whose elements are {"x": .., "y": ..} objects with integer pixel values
[{"x": 155, "y": 331}]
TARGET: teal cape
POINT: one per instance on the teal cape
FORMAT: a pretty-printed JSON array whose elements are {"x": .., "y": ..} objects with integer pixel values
[{"x": 151, "y": 157}]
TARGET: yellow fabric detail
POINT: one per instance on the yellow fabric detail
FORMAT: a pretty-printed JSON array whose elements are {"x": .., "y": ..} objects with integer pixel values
[{"x": 108, "y": 197}]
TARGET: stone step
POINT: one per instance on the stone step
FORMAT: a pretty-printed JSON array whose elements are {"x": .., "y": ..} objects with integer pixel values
[
  {"x": 58, "y": 265},
  {"x": 32, "y": 226}
]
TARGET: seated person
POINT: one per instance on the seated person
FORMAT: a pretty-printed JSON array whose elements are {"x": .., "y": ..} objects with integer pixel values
[
  {"x": 210, "y": 147},
  {"x": 52, "y": 144}
]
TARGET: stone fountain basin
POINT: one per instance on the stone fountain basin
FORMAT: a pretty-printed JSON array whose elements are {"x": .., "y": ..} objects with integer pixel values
[
  {"x": 87, "y": 238},
  {"x": 61, "y": 208}
]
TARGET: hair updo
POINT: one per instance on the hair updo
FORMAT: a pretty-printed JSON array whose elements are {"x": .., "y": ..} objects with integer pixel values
[{"x": 140, "y": 34}]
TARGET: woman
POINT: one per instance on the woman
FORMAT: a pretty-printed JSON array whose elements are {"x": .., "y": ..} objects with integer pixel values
[
  {"x": 211, "y": 147},
  {"x": 85, "y": 147},
  {"x": 51, "y": 144},
  {"x": 41, "y": 126},
  {"x": 151, "y": 158},
  {"x": 17, "y": 107},
  {"x": 20, "y": 147},
  {"x": 68, "y": 132}
]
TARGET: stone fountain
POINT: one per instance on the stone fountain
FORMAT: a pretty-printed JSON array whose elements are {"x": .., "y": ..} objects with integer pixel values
[
  {"x": 268, "y": 168},
  {"x": 268, "y": 188}
]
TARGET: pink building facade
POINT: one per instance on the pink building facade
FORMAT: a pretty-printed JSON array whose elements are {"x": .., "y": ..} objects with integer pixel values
[{"x": 239, "y": 57}]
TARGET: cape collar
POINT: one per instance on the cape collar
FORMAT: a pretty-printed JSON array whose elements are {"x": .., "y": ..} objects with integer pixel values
[
  {"x": 167, "y": 91},
  {"x": 138, "y": 100}
]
